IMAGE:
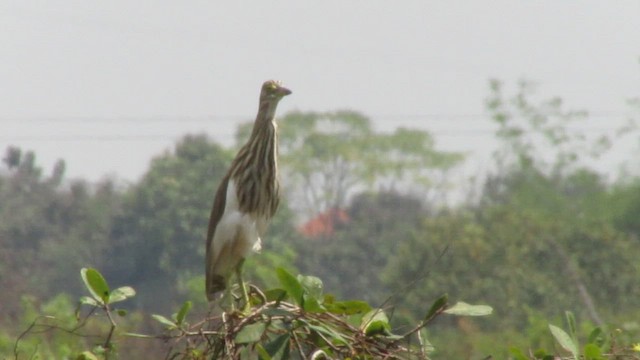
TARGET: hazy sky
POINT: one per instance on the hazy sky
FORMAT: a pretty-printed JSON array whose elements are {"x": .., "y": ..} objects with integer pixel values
[{"x": 108, "y": 84}]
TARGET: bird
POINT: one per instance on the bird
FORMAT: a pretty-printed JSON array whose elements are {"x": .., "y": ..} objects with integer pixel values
[{"x": 246, "y": 199}]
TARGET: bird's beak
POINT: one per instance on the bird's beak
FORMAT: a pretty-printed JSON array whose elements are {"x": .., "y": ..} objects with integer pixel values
[{"x": 283, "y": 91}]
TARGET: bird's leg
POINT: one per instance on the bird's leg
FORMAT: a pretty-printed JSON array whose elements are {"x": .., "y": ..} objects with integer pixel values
[
  {"x": 228, "y": 298},
  {"x": 243, "y": 288}
]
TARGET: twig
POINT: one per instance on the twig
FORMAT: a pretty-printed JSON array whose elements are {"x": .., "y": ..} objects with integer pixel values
[
  {"x": 228, "y": 339},
  {"x": 107, "y": 342},
  {"x": 421, "y": 342},
  {"x": 47, "y": 327},
  {"x": 403, "y": 290},
  {"x": 424, "y": 322},
  {"x": 24, "y": 333},
  {"x": 295, "y": 338}
]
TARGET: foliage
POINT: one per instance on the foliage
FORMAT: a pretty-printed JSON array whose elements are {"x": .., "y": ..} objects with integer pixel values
[
  {"x": 525, "y": 128},
  {"x": 566, "y": 206},
  {"x": 599, "y": 345},
  {"x": 51, "y": 330},
  {"x": 295, "y": 321},
  {"x": 377, "y": 223},
  {"x": 164, "y": 218},
  {"x": 44, "y": 219}
]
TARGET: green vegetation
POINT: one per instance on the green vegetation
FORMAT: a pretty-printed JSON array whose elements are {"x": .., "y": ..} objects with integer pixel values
[
  {"x": 551, "y": 245},
  {"x": 296, "y": 320}
]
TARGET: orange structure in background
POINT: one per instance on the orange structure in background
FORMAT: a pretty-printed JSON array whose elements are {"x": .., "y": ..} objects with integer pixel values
[{"x": 324, "y": 224}]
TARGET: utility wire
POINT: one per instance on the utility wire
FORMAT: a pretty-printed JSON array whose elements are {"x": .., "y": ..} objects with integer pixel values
[
  {"x": 132, "y": 137},
  {"x": 147, "y": 138},
  {"x": 209, "y": 118}
]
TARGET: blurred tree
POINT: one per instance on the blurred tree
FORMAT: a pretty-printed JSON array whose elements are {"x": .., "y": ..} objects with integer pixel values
[
  {"x": 626, "y": 193},
  {"x": 158, "y": 236},
  {"x": 48, "y": 229},
  {"x": 351, "y": 259},
  {"x": 327, "y": 157},
  {"x": 526, "y": 128},
  {"x": 541, "y": 236}
]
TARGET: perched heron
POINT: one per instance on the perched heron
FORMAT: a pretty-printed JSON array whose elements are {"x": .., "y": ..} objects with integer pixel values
[{"x": 246, "y": 199}]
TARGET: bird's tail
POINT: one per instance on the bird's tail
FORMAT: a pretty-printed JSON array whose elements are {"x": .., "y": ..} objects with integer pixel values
[
  {"x": 214, "y": 284},
  {"x": 217, "y": 270},
  {"x": 216, "y": 278}
]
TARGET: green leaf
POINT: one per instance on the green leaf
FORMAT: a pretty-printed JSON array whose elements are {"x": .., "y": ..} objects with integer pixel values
[
  {"x": 311, "y": 304},
  {"x": 142, "y": 336},
  {"x": 321, "y": 328},
  {"x": 164, "y": 321},
  {"x": 86, "y": 300},
  {"x": 276, "y": 295},
  {"x": 571, "y": 321},
  {"x": 376, "y": 322},
  {"x": 427, "y": 346},
  {"x": 121, "y": 312},
  {"x": 276, "y": 312},
  {"x": 595, "y": 337},
  {"x": 517, "y": 354},
  {"x": 319, "y": 355},
  {"x": 437, "y": 306},
  {"x": 279, "y": 347},
  {"x": 86, "y": 355},
  {"x": 463, "y": 309},
  {"x": 279, "y": 324},
  {"x": 99, "y": 349},
  {"x": 312, "y": 285},
  {"x": 541, "y": 354},
  {"x": 96, "y": 284},
  {"x": 564, "y": 340},
  {"x": 592, "y": 352},
  {"x": 251, "y": 333},
  {"x": 328, "y": 299},
  {"x": 262, "y": 353},
  {"x": 121, "y": 293},
  {"x": 291, "y": 285},
  {"x": 184, "y": 310},
  {"x": 347, "y": 307}
]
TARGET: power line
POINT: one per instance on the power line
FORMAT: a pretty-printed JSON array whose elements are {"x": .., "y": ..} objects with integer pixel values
[
  {"x": 125, "y": 119},
  {"x": 410, "y": 120},
  {"x": 130, "y": 138},
  {"x": 208, "y": 118},
  {"x": 140, "y": 138}
]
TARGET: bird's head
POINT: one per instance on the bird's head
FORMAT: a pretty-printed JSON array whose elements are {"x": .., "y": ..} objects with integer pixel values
[{"x": 273, "y": 91}]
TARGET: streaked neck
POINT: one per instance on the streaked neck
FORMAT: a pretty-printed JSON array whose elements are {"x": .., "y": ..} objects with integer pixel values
[{"x": 264, "y": 120}]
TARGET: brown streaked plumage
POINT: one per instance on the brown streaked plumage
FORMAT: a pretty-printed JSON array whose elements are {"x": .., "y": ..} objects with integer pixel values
[{"x": 247, "y": 197}]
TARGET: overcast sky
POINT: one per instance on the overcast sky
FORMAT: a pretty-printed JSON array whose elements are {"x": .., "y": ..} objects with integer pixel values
[{"x": 106, "y": 85}]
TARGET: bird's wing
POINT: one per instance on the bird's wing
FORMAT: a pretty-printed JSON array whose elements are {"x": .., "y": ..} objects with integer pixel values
[
  {"x": 217, "y": 210},
  {"x": 215, "y": 282}
]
